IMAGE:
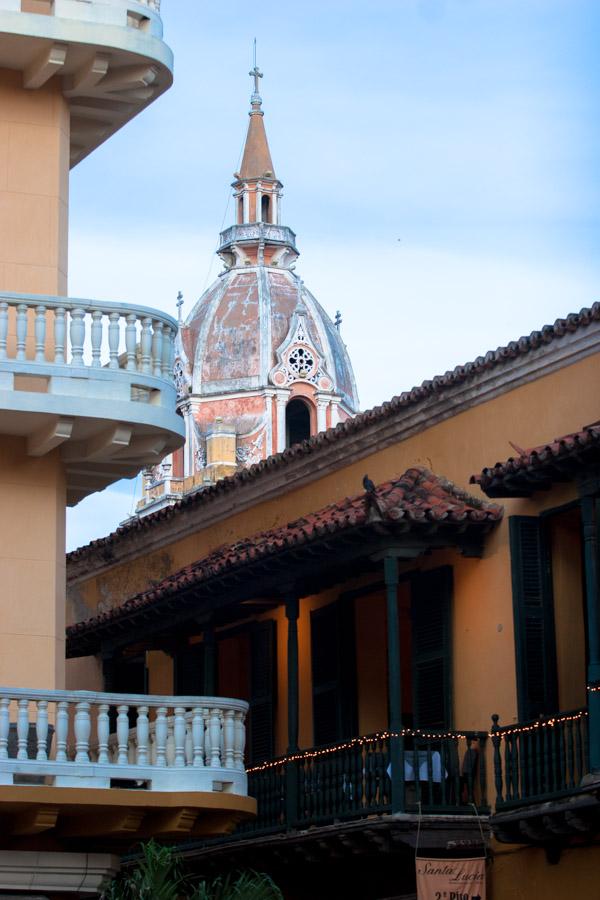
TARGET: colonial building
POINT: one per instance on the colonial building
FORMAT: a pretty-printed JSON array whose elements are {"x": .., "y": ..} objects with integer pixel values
[
  {"x": 416, "y": 629},
  {"x": 259, "y": 364},
  {"x": 86, "y": 398}
]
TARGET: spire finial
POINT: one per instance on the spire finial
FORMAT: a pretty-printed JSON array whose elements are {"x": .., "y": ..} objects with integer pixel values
[
  {"x": 179, "y": 304},
  {"x": 256, "y": 74}
]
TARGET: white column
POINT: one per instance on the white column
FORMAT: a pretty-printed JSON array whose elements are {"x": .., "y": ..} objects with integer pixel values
[
  {"x": 322, "y": 404},
  {"x": 275, "y": 208},
  {"x": 282, "y": 398},
  {"x": 335, "y": 413},
  {"x": 258, "y": 216},
  {"x": 189, "y": 449},
  {"x": 246, "y": 204}
]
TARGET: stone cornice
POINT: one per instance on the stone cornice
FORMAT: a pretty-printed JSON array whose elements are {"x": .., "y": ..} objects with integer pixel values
[{"x": 289, "y": 472}]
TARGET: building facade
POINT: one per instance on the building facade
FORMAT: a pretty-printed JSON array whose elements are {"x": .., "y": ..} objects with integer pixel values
[
  {"x": 86, "y": 397},
  {"x": 415, "y": 629},
  {"x": 259, "y": 365}
]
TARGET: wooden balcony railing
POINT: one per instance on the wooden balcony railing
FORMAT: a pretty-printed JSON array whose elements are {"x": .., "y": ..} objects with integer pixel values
[
  {"x": 540, "y": 760},
  {"x": 442, "y": 773}
]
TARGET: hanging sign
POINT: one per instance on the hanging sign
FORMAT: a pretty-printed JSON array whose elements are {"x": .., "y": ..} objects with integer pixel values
[{"x": 451, "y": 879}]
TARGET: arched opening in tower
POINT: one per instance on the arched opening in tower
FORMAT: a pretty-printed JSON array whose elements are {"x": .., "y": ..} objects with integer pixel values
[
  {"x": 265, "y": 208},
  {"x": 297, "y": 422},
  {"x": 240, "y": 211}
]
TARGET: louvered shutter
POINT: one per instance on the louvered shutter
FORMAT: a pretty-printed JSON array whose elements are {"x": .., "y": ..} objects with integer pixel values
[
  {"x": 431, "y": 604},
  {"x": 323, "y": 628},
  {"x": 189, "y": 671},
  {"x": 262, "y": 691},
  {"x": 533, "y": 608},
  {"x": 333, "y": 650}
]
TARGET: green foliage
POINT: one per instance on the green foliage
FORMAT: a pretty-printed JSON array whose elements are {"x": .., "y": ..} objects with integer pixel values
[
  {"x": 238, "y": 886},
  {"x": 158, "y": 875}
]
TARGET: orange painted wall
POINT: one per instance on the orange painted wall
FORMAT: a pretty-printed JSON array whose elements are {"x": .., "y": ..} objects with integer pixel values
[{"x": 34, "y": 187}]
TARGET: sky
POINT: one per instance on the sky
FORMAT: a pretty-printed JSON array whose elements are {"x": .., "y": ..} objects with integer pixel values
[{"x": 440, "y": 164}]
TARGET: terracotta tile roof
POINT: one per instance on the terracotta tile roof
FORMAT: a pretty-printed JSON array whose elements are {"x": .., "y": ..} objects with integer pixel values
[
  {"x": 539, "y": 467},
  {"x": 362, "y": 422},
  {"x": 418, "y": 500}
]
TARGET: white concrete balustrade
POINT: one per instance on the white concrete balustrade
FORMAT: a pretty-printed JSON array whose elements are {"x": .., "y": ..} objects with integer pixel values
[
  {"x": 84, "y": 333},
  {"x": 176, "y": 744}
]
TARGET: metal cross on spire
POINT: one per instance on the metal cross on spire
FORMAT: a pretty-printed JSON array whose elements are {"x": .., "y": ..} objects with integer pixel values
[
  {"x": 179, "y": 304},
  {"x": 255, "y": 72}
]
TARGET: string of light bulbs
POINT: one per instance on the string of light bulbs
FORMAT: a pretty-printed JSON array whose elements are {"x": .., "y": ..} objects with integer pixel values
[{"x": 353, "y": 743}]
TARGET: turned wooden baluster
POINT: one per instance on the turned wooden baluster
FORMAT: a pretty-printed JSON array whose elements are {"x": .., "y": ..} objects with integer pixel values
[
  {"x": 157, "y": 343},
  {"x": 179, "y": 735},
  {"x": 4, "y": 726},
  {"x": 160, "y": 733},
  {"x": 60, "y": 330},
  {"x": 240, "y": 740},
  {"x": 22, "y": 729},
  {"x": 21, "y": 330},
  {"x": 131, "y": 342},
  {"x": 83, "y": 727},
  {"x": 142, "y": 734},
  {"x": 3, "y": 328},
  {"x": 229, "y": 738},
  {"x": 40, "y": 334},
  {"x": 41, "y": 729},
  {"x": 122, "y": 735},
  {"x": 197, "y": 737},
  {"x": 77, "y": 332},
  {"x": 113, "y": 340},
  {"x": 146, "y": 345},
  {"x": 96, "y": 333},
  {"x": 62, "y": 730},
  {"x": 168, "y": 353},
  {"x": 215, "y": 737},
  {"x": 103, "y": 727}
]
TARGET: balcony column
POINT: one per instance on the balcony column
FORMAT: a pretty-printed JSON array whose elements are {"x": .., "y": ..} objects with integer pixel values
[
  {"x": 210, "y": 662},
  {"x": 390, "y": 568},
  {"x": 292, "y": 609},
  {"x": 590, "y": 514}
]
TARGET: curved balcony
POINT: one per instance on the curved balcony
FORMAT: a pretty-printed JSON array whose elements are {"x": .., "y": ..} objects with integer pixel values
[
  {"x": 109, "y": 54},
  {"x": 179, "y": 770},
  {"x": 94, "y": 378}
]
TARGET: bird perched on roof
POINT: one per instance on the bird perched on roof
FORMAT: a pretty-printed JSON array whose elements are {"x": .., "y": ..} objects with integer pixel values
[{"x": 368, "y": 485}]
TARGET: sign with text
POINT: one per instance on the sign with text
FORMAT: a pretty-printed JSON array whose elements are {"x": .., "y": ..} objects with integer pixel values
[{"x": 451, "y": 879}]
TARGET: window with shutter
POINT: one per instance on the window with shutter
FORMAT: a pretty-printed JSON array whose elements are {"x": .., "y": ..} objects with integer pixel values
[
  {"x": 533, "y": 607},
  {"x": 261, "y": 738},
  {"x": 333, "y": 650},
  {"x": 431, "y": 606},
  {"x": 189, "y": 671}
]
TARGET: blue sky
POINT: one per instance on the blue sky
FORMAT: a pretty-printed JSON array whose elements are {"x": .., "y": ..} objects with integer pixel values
[{"x": 440, "y": 162}]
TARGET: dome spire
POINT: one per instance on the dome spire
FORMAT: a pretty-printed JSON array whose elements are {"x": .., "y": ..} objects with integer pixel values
[{"x": 256, "y": 161}]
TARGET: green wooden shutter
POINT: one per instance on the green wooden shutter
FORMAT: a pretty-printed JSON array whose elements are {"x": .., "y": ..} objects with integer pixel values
[
  {"x": 431, "y": 615},
  {"x": 261, "y": 741},
  {"x": 533, "y": 608},
  {"x": 333, "y": 651},
  {"x": 189, "y": 671}
]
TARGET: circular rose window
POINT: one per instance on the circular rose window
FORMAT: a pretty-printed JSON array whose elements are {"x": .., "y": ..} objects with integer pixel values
[{"x": 301, "y": 362}]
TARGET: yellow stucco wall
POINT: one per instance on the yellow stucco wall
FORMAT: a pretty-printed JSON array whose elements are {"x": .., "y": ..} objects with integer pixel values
[
  {"x": 520, "y": 873},
  {"x": 32, "y": 567},
  {"x": 483, "y": 638},
  {"x": 34, "y": 186}
]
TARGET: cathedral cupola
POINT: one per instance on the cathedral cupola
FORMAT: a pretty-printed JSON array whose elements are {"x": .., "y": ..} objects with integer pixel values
[
  {"x": 259, "y": 364},
  {"x": 257, "y": 236}
]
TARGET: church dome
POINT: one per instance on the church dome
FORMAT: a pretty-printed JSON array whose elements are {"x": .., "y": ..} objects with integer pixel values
[
  {"x": 259, "y": 364},
  {"x": 259, "y": 327}
]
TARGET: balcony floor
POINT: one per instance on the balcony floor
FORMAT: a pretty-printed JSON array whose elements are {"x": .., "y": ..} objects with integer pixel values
[{"x": 32, "y": 813}]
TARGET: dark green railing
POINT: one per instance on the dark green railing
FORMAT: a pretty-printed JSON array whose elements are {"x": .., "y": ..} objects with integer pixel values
[
  {"x": 441, "y": 773},
  {"x": 540, "y": 760}
]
